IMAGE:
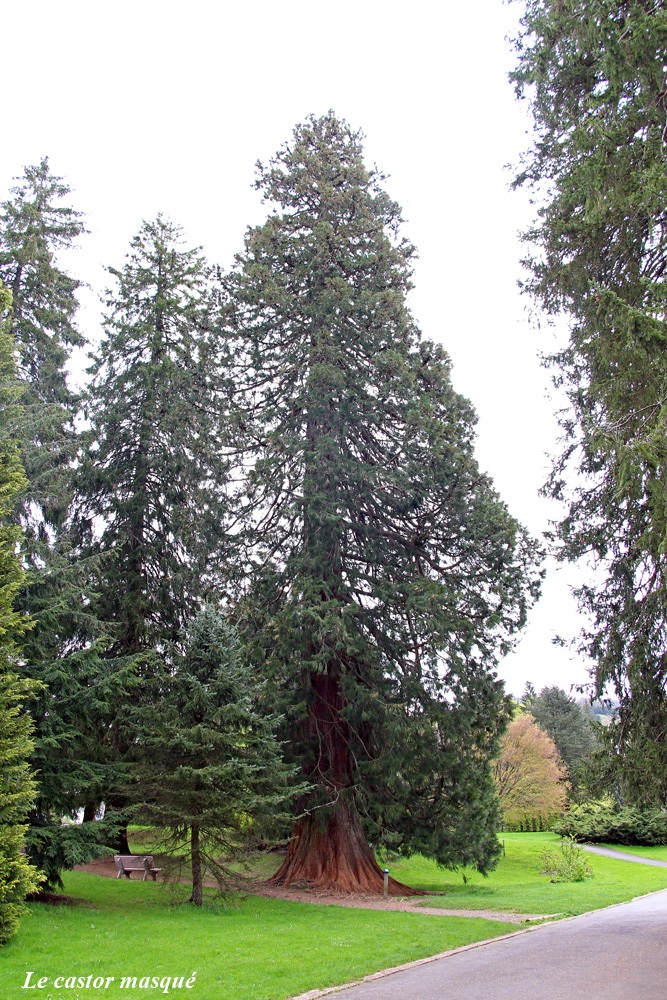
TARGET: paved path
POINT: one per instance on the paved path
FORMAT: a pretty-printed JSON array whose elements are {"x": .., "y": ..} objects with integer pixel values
[
  {"x": 614, "y": 954},
  {"x": 607, "y": 852}
]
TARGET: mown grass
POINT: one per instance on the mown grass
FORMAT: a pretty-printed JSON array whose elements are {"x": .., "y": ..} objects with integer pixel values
[
  {"x": 518, "y": 887},
  {"x": 257, "y": 949},
  {"x": 266, "y": 949}
]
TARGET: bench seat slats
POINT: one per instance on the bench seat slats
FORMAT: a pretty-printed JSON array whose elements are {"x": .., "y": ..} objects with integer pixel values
[{"x": 128, "y": 863}]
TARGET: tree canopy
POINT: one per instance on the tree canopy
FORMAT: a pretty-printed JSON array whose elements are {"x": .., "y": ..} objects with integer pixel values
[
  {"x": 594, "y": 72},
  {"x": 570, "y": 725},
  {"x": 387, "y": 575},
  {"x": 530, "y": 776},
  {"x": 207, "y": 760}
]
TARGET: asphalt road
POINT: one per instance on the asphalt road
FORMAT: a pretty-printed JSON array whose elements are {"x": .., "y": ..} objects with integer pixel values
[
  {"x": 618, "y": 953},
  {"x": 608, "y": 852}
]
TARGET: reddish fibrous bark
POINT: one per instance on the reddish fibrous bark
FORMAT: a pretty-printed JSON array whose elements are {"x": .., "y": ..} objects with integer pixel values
[
  {"x": 333, "y": 854},
  {"x": 328, "y": 849}
]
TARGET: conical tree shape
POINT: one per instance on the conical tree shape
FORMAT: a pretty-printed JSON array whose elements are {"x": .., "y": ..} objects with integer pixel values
[
  {"x": 35, "y": 227},
  {"x": 206, "y": 761},
  {"x": 388, "y": 575},
  {"x": 62, "y": 649},
  {"x": 151, "y": 483}
]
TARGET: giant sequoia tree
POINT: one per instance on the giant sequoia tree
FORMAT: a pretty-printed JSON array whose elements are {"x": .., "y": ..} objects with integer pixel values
[
  {"x": 387, "y": 575},
  {"x": 595, "y": 73}
]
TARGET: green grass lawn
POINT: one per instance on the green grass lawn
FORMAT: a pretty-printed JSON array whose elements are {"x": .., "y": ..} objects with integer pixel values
[
  {"x": 518, "y": 887},
  {"x": 265, "y": 949},
  {"x": 258, "y": 949}
]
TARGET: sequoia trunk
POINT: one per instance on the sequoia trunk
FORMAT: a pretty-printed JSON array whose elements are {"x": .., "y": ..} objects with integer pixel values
[{"x": 328, "y": 849}]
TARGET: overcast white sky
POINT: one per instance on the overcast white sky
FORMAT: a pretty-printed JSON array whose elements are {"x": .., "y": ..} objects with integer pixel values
[{"x": 152, "y": 106}]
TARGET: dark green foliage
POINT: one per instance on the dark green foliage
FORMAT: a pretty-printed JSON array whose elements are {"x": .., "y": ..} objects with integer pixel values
[
  {"x": 614, "y": 824},
  {"x": 77, "y": 758},
  {"x": 207, "y": 760},
  {"x": 34, "y": 228},
  {"x": 17, "y": 786},
  {"x": 569, "y": 724},
  {"x": 62, "y": 648},
  {"x": 147, "y": 507},
  {"x": 595, "y": 73},
  {"x": 388, "y": 576},
  {"x": 150, "y": 484}
]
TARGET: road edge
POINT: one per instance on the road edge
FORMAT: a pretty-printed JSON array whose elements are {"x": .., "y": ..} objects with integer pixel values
[{"x": 329, "y": 990}]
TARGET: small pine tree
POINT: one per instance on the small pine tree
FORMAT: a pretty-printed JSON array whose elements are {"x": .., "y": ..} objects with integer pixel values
[
  {"x": 208, "y": 759},
  {"x": 569, "y": 724}
]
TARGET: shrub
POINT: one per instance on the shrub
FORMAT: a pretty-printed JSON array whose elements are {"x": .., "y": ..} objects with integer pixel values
[
  {"x": 606, "y": 823},
  {"x": 522, "y": 823},
  {"x": 566, "y": 863}
]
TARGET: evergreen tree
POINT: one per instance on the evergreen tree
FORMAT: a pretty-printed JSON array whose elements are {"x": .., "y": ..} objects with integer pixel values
[
  {"x": 150, "y": 486},
  {"x": 570, "y": 726},
  {"x": 17, "y": 786},
  {"x": 595, "y": 74},
  {"x": 208, "y": 761},
  {"x": 150, "y": 489},
  {"x": 35, "y": 227},
  {"x": 387, "y": 575},
  {"x": 71, "y": 707}
]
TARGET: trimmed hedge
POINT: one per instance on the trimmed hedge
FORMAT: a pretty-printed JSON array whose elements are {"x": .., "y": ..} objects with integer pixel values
[
  {"x": 524, "y": 823},
  {"x": 611, "y": 824}
]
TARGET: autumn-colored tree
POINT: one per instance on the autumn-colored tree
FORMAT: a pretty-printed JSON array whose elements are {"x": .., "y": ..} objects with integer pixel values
[{"x": 529, "y": 774}]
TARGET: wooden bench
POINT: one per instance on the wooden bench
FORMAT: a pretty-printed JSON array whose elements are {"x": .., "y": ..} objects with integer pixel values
[{"x": 128, "y": 863}]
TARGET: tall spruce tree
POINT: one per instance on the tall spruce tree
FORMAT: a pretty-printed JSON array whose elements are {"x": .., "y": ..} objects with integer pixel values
[
  {"x": 594, "y": 71},
  {"x": 17, "y": 785},
  {"x": 386, "y": 574},
  {"x": 150, "y": 486},
  {"x": 62, "y": 648},
  {"x": 35, "y": 227}
]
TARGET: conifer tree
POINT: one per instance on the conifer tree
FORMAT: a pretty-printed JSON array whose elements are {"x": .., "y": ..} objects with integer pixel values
[
  {"x": 569, "y": 724},
  {"x": 35, "y": 228},
  {"x": 594, "y": 72},
  {"x": 62, "y": 648},
  {"x": 17, "y": 785},
  {"x": 208, "y": 760},
  {"x": 387, "y": 575},
  {"x": 151, "y": 485}
]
